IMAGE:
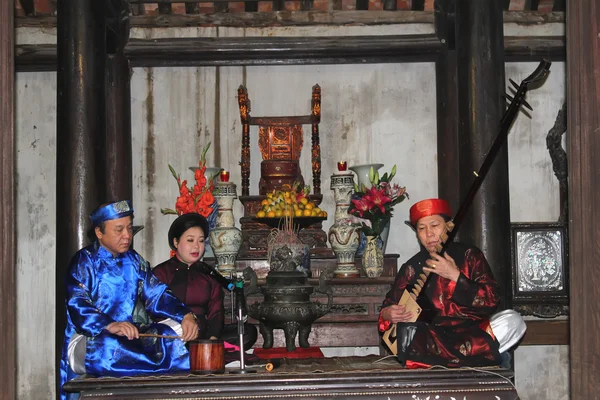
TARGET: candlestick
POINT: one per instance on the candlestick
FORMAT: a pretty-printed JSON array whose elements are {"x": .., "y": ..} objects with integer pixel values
[
  {"x": 224, "y": 176},
  {"x": 342, "y": 166}
]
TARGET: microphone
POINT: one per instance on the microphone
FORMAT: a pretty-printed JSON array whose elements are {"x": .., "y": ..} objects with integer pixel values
[{"x": 226, "y": 283}]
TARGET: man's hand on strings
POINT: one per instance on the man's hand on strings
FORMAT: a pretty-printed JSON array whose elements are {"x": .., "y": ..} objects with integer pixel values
[
  {"x": 123, "y": 329},
  {"x": 189, "y": 326},
  {"x": 396, "y": 313},
  {"x": 442, "y": 266}
]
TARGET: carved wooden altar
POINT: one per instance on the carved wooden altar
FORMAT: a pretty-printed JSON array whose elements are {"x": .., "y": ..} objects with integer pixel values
[
  {"x": 352, "y": 320},
  {"x": 280, "y": 143}
]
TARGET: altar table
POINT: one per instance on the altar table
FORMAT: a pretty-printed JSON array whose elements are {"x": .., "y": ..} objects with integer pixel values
[{"x": 368, "y": 377}]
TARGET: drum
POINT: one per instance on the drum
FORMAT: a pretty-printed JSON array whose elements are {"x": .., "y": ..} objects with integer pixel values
[{"x": 207, "y": 356}]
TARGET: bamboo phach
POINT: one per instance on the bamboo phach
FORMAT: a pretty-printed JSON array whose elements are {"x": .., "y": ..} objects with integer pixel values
[{"x": 154, "y": 335}]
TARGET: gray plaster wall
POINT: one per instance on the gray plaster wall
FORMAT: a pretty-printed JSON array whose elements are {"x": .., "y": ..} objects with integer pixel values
[{"x": 370, "y": 113}]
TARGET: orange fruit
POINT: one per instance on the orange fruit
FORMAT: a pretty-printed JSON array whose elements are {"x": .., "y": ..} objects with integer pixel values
[
  {"x": 271, "y": 214},
  {"x": 307, "y": 213},
  {"x": 261, "y": 214},
  {"x": 298, "y": 213}
]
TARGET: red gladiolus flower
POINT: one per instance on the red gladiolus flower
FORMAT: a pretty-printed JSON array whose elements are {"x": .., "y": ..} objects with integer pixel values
[
  {"x": 199, "y": 173},
  {"x": 197, "y": 198}
]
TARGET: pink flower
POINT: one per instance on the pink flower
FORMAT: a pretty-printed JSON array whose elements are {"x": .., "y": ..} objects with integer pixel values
[
  {"x": 377, "y": 198},
  {"x": 361, "y": 206}
]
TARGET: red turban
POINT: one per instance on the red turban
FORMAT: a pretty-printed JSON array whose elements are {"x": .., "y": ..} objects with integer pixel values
[{"x": 425, "y": 208}]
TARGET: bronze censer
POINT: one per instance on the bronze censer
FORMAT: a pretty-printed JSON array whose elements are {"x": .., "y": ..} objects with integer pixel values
[{"x": 287, "y": 303}]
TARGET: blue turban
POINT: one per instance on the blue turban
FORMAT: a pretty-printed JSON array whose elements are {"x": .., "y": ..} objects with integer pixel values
[{"x": 116, "y": 210}]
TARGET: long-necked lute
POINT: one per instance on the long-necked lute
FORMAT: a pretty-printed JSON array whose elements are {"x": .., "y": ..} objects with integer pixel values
[{"x": 409, "y": 297}]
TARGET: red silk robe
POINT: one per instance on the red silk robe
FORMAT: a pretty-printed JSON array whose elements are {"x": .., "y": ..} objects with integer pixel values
[
  {"x": 458, "y": 334},
  {"x": 197, "y": 290}
]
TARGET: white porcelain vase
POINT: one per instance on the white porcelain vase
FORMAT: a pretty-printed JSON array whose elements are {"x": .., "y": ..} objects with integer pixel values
[{"x": 362, "y": 173}]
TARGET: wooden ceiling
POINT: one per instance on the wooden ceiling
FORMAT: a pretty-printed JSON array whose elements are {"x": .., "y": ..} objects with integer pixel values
[{"x": 45, "y": 8}]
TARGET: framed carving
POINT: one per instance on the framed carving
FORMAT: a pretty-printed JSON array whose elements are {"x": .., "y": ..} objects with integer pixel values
[{"x": 540, "y": 284}]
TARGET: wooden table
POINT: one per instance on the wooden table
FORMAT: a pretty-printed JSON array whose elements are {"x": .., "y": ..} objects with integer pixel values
[{"x": 328, "y": 378}]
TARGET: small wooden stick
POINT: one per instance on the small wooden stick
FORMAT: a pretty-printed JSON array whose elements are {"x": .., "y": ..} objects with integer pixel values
[{"x": 159, "y": 336}]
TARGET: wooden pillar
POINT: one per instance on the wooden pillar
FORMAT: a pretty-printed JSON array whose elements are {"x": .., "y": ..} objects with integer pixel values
[
  {"x": 80, "y": 133},
  {"x": 447, "y": 105},
  {"x": 118, "y": 129},
  {"x": 8, "y": 292},
  {"x": 480, "y": 85},
  {"x": 119, "y": 164},
  {"x": 583, "y": 134}
]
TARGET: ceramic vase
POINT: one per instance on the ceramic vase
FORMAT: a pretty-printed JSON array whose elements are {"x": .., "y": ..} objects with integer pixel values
[
  {"x": 372, "y": 259},
  {"x": 344, "y": 236},
  {"x": 225, "y": 238},
  {"x": 362, "y": 177},
  {"x": 210, "y": 172},
  {"x": 362, "y": 174}
]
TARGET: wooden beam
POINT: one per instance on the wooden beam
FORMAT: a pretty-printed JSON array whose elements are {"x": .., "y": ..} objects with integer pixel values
[
  {"x": 291, "y": 50},
  {"x": 282, "y": 50},
  {"x": 300, "y": 18},
  {"x": 550, "y": 332},
  {"x": 583, "y": 127},
  {"x": 8, "y": 282},
  {"x": 524, "y": 48}
]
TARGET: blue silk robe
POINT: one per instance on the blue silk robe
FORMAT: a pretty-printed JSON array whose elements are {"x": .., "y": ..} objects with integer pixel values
[{"x": 102, "y": 289}]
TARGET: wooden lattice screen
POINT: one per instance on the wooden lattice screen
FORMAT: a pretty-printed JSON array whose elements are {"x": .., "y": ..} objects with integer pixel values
[{"x": 30, "y": 8}]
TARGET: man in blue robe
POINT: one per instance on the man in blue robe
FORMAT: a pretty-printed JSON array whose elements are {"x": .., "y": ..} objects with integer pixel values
[{"x": 110, "y": 292}]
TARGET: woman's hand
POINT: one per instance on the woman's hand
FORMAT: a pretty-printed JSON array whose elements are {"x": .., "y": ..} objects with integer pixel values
[
  {"x": 189, "y": 328},
  {"x": 123, "y": 329},
  {"x": 396, "y": 313},
  {"x": 442, "y": 266}
]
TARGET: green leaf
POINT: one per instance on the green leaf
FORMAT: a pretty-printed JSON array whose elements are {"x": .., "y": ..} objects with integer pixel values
[
  {"x": 173, "y": 172},
  {"x": 167, "y": 211},
  {"x": 204, "y": 151},
  {"x": 393, "y": 172},
  {"x": 384, "y": 178}
]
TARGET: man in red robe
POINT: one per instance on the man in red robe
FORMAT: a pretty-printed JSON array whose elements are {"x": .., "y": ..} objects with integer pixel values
[{"x": 463, "y": 294}]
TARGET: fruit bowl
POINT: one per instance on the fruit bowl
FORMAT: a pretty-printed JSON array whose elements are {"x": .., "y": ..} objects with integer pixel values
[{"x": 298, "y": 222}]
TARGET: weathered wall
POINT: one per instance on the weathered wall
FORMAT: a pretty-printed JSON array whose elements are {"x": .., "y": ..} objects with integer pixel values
[
  {"x": 36, "y": 221},
  {"x": 371, "y": 113}
]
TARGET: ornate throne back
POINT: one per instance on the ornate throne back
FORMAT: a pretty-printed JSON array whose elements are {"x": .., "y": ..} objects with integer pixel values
[{"x": 280, "y": 140}]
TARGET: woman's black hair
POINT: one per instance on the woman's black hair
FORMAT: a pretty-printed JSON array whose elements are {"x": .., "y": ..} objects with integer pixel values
[{"x": 185, "y": 222}]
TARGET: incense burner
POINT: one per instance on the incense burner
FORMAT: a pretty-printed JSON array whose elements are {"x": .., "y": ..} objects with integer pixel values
[{"x": 287, "y": 305}]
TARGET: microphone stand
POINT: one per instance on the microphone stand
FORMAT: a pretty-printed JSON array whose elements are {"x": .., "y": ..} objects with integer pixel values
[{"x": 240, "y": 305}]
